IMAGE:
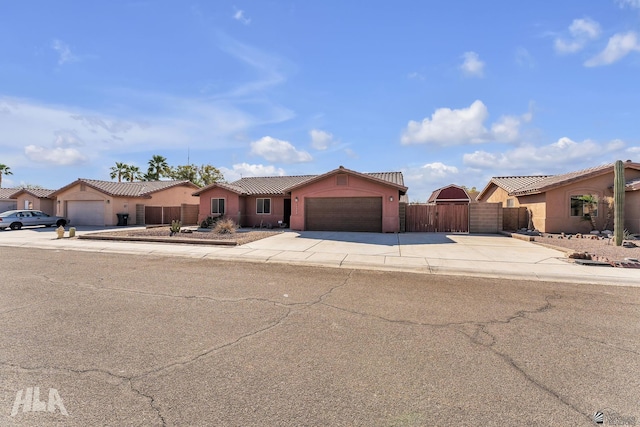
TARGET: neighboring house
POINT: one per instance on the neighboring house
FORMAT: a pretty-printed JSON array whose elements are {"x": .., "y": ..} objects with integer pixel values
[
  {"x": 339, "y": 200},
  {"x": 92, "y": 202},
  {"x": 556, "y": 203},
  {"x": 450, "y": 195},
  {"x": 6, "y": 202},
  {"x": 34, "y": 198}
]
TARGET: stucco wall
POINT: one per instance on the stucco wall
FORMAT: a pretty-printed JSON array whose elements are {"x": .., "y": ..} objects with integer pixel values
[
  {"x": 356, "y": 187},
  {"x": 233, "y": 208},
  {"x": 498, "y": 195},
  {"x": 252, "y": 218},
  {"x": 36, "y": 203},
  {"x": 175, "y": 196},
  {"x": 74, "y": 193},
  {"x": 632, "y": 211}
]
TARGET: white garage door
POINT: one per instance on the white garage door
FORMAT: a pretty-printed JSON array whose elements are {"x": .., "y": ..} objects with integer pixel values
[{"x": 86, "y": 212}]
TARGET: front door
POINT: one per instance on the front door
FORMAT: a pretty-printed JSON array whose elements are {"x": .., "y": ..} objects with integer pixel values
[{"x": 287, "y": 212}]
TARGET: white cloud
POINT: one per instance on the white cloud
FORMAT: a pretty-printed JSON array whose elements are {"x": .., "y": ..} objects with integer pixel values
[
  {"x": 472, "y": 65},
  {"x": 271, "y": 69},
  {"x": 506, "y": 129},
  {"x": 449, "y": 127},
  {"x": 67, "y": 138},
  {"x": 619, "y": 46},
  {"x": 64, "y": 52},
  {"x": 276, "y": 150},
  {"x": 524, "y": 58},
  {"x": 582, "y": 31},
  {"x": 205, "y": 124},
  {"x": 634, "y": 4},
  {"x": 240, "y": 16},
  {"x": 439, "y": 170},
  {"x": 562, "y": 154},
  {"x": 416, "y": 76},
  {"x": 321, "y": 140},
  {"x": 57, "y": 156},
  {"x": 240, "y": 170}
]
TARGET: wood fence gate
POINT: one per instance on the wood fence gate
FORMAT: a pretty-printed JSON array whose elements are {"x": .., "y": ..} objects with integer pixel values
[
  {"x": 161, "y": 214},
  {"x": 437, "y": 218}
]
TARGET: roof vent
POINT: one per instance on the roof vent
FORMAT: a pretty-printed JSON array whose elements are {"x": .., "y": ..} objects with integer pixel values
[{"x": 629, "y": 161}]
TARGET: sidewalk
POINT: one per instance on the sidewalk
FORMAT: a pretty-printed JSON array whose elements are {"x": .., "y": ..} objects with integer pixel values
[{"x": 427, "y": 253}]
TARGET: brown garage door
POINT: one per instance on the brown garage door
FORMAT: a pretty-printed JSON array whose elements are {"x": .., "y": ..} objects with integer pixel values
[{"x": 343, "y": 214}]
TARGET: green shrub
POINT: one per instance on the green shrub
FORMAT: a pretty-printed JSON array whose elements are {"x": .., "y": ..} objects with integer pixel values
[{"x": 225, "y": 226}]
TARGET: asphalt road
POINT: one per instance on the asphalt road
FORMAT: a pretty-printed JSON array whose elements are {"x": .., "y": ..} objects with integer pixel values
[{"x": 106, "y": 339}]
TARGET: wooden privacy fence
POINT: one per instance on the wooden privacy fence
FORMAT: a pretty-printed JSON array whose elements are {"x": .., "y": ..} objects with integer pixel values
[
  {"x": 515, "y": 218},
  {"x": 188, "y": 214},
  {"x": 437, "y": 218}
]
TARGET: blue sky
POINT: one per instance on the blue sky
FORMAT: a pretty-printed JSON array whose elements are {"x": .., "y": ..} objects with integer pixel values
[{"x": 446, "y": 92}]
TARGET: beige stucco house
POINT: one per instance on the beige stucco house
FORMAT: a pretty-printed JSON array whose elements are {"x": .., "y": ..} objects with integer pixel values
[
  {"x": 6, "y": 202},
  {"x": 35, "y": 198},
  {"x": 555, "y": 202},
  {"x": 339, "y": 200},
  {"x": 92, "y": 202}
]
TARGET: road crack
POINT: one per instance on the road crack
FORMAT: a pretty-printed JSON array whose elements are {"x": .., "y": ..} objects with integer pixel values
[{"x": 482, "y": 337}]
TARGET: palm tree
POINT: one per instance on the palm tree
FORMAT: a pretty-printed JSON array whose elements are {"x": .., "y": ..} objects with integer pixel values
[
  {"x": 6, "y": 170},
  {"x": 158, "y": 167},
  {"x": 118, "y": 171},
  {"x": 132, "y": 173}
]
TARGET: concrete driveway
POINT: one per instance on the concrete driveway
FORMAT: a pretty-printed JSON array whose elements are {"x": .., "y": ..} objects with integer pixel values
[{"x": 432, "y": 253}]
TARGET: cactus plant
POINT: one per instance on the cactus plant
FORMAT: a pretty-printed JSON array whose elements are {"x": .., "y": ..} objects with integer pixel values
[
  {"x": 618, "y": 197},
  {"x": 175, "y": 227}
]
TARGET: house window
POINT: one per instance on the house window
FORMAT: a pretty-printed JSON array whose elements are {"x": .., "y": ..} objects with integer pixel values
[
  {"x": 511, "y": 203},
  {"x": 263, "y": 206},
  {"x": 584, "y": 205},
  {"x": 217, "y": 206}
]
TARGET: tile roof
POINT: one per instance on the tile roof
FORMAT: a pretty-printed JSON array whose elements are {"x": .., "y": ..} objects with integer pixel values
[
  {"x": 513, "y": 183},
  {"x": 269, "y": 184},
  {"x": 633, "y": 184},
  {"x": 129, "y": 189},
  {"x": 276, "y": 185},
  {"x": 558, "y": 180},
  {"x": 40, "y": 193},
  {"x": 523, "y": 185},
  {"x": 393, "y": 177},
  {"x": 5, "y": 193}
]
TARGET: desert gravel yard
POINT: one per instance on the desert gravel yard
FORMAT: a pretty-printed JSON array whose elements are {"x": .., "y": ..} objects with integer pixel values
[
  {"x": 598, "y": 249},
  {"x": 240, "y": 237}
]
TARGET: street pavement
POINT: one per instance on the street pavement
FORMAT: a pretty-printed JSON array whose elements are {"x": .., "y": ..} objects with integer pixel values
[
  {"x": 494, "y": 256},
  {"x": 109, "y": 339}
]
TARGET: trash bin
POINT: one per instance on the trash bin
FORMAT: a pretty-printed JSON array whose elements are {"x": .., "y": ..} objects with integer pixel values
[{"x": 123, "y": 218}]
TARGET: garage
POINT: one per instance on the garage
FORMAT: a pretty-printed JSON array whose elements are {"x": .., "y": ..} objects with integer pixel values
[
  {"x": 343, "y": 214},
  {"x": 86, "y": 212}
]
